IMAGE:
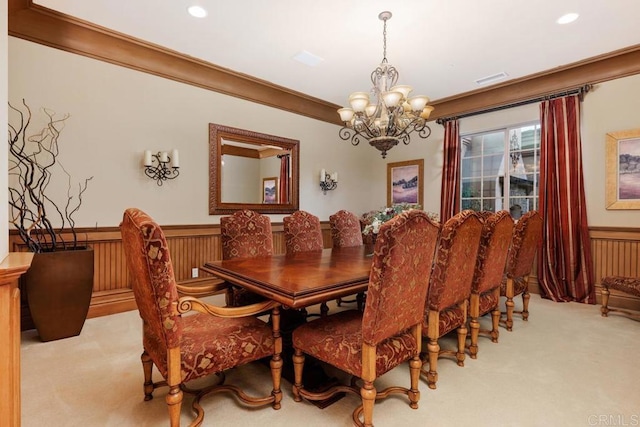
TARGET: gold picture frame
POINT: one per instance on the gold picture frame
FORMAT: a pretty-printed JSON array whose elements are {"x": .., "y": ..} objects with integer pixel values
[
  {"x": 623, "y": 186},
  {"x": 270, "y": 190},
  {"x": 405, "y": 182}
]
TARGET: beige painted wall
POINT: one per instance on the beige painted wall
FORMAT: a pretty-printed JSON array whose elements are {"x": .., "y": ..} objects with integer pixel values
[
  {"x": 610, "y": 107},
  {"x": 117, "y": 113},
  {"x": 4, "y": 59}
]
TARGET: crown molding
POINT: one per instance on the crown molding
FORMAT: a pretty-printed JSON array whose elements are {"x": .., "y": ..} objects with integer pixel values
[
  {"x": 41, "y": 25},
  {"x": 54, "y": 29}
]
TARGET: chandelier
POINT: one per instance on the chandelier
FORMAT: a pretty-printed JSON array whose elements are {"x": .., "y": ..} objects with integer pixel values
[{"x": 391, "y": 116}]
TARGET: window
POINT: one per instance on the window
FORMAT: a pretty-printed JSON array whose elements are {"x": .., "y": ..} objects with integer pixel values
[{"x": 500, "y": 169}]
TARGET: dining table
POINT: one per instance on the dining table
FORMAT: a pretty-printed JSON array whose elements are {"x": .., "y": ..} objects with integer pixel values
[
  {"x": 300, "y": 279},
  {"x": 297, "y": 281}
]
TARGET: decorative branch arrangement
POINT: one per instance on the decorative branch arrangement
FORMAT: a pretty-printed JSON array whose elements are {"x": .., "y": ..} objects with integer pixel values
[{"x": 32, "y": 159}]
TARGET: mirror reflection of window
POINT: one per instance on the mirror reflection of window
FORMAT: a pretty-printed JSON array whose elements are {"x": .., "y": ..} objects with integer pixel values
[{"x": 243, "y": 168}]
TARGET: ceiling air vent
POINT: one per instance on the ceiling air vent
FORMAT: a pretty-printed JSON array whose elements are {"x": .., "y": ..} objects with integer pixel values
[{"x": 493, "y": 78}]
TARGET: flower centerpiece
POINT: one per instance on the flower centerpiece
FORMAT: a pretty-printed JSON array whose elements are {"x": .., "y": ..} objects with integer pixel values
[{"x": 374, "y": 219}]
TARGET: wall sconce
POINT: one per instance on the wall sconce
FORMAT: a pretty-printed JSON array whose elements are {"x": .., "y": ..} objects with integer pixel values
[
  {"x": 161, "y": 171},
  {"x": 328, "y": 181}
]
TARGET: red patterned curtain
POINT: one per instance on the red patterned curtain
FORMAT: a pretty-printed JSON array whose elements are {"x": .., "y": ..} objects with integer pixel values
[
  {"x": 283, "y": 188},
  {"x": 564, "y": 261},
  {"x": 450, "y": 190}
]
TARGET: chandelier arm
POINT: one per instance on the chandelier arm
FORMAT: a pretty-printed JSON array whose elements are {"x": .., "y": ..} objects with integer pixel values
[
  {"x": 424, "y": 131},
  {"x": 357, "y": 138},
  {"x": 369, "y": 130},
  {"x": 347, "y": 134}
]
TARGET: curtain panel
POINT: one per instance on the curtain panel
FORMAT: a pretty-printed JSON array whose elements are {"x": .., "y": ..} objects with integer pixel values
[
  {"x": 564, "y": 260},
  {"x": 450, "y": 190},
  {"x": 283, "y": 184}
]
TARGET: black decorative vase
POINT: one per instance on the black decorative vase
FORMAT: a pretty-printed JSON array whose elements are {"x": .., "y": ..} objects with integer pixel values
[{"x": 59, "y": 285}]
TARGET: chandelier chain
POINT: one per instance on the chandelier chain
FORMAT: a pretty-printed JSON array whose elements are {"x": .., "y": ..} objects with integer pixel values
[{"x": 384, "y": 41}]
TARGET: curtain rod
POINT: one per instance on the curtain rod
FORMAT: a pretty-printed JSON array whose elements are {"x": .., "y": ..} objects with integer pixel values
[{"x": 580, "y": 91}]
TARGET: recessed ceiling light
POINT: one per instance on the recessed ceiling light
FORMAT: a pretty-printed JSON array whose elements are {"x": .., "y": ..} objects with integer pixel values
[
  {"x": 197, "y": 11},
  {"x": 567, "y": 18},
  {"x": 307, "y": 58}
]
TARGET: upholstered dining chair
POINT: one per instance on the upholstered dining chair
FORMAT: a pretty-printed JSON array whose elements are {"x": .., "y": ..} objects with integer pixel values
[
  {"x": 524, "y": 244},
  {"x": 345, "y": 229},
  {"x": 626, "y": 285},
  {"x": 245, "y": 234},
  {"x": 185, "y": 348},
  {"x": 346, "y": 232},
  {"x": 302, "y": 233},
  {"x": 450, "y": 288},
  {"x": 495, "y": 240},
  {"x": 370, "y": 343}
]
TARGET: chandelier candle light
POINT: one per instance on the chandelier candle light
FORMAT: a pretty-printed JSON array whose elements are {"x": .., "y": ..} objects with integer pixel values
[
  {"x": 161, "y": 171},
  {"x": 328, "y": 181},
  {"x": 392, "y": 115}
]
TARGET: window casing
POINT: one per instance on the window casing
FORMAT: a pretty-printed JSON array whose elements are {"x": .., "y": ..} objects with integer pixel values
[{"x": 501, "y": 169}]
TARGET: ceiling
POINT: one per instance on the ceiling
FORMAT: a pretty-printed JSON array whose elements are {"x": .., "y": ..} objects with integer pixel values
[{"x": 439, "y": 47}]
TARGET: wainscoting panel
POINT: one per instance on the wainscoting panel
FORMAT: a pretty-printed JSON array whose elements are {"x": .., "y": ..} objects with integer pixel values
[
  {"x": 190, "y": 245},
  {"x": 616, "y": 251}
]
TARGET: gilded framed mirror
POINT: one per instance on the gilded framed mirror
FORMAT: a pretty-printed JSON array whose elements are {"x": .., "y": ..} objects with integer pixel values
[{"x": 240, "y": 160}]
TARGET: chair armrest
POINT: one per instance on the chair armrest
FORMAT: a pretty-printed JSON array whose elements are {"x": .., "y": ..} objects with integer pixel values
[
  {"x": 186, "y": 304},
  {"x": 201, "y": 287}
]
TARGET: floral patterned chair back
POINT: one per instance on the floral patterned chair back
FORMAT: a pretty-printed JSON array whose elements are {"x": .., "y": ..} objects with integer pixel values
[
  {"x": 302, "y": 232},
  {"x": 345, "y": 229},
  {"x": 527, "y": 234},
  {"x": 450, "y": 288},
  {"x": 151, "y": 272},
  {"x": 497, "y": 229},
  {"x": 400, "y": 273},
  {"x": 455, "y": 261},
  {"x": 367, "y": 345},
  {"x": 495, "y": 241},
  {"x": 245, "y": 234}
]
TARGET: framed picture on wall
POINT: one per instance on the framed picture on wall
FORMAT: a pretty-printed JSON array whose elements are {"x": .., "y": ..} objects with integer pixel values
[
  {"x": 405, "y": 182},
  {"x": 623, "y": 169},
  {"x": 270, "y": 190}
]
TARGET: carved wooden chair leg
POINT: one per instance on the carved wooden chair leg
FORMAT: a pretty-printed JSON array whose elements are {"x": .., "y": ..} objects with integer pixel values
[
  {"x": 433, "y": 349},
  {"x": 605, "y": 301},
  {"x": 368, "y": 394},
  {"x": 462, "y": 338},
  {"x": 298, "y": 366},
  {"x": 147, "y": 367},
  {"x": 324, "y": 309},
  {"x": 525, "y": 305},
  {"x": 474, "y": 324},
  {"x": 174, "y": 403},
  {"x": 509, "y": 304},
  {"x": 276, "y": 360},
  {"x": 495, "y": 323},
  {"x": 414, "y": 372}
]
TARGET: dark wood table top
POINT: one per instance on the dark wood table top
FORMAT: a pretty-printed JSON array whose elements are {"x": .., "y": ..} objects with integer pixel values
[{"x": 301, "y": 279}]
